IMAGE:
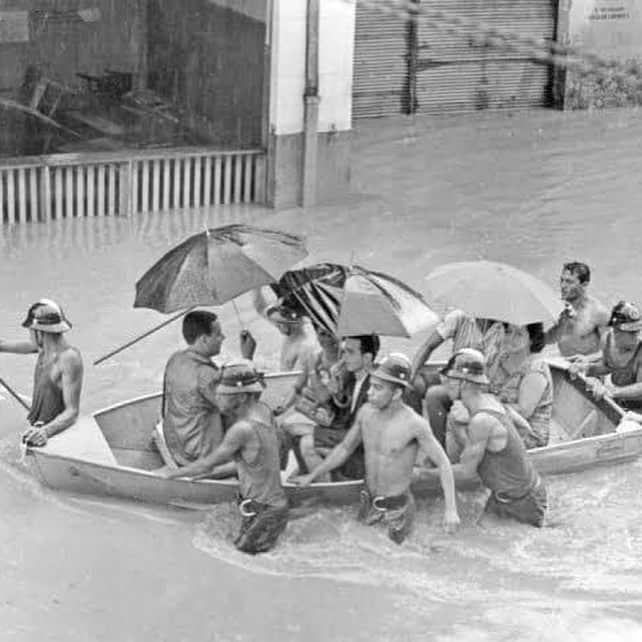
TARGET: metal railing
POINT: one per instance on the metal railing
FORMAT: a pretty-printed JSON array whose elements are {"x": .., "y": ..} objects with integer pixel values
[{"x": 42, "y": 188}]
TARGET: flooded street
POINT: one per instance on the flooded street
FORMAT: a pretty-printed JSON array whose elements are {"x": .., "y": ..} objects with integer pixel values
[{"x": 535, "y": 190}]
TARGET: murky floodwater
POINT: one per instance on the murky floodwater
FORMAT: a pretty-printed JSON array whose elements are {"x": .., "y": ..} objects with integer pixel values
[{"x": 530, "y": 189}]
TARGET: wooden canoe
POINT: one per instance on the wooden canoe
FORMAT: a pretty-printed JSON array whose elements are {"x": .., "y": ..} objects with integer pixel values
[{"x": 111, "y": 453}]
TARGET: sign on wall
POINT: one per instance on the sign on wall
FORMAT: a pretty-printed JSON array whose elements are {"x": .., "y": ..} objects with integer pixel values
[{"x": 612, "y": 28}]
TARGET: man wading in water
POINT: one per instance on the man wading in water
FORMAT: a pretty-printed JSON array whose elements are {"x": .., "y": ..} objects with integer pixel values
[
  {"x": 490, "y": 446},
  {"x": 58, "y": 374},
  {"x": 252, "y": 443},
  {"x": 392, "y": 434}
]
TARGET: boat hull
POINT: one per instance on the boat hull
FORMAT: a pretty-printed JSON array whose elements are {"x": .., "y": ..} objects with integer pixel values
[{"x": 585, "y": 431}]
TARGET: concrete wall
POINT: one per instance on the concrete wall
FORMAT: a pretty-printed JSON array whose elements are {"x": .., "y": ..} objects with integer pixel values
[
  {"x": 286, "y": 109},
  {"x": 208, "y": 58},
  {"x": 63, "y": 38},
  {"x": 611, "y": 29}
]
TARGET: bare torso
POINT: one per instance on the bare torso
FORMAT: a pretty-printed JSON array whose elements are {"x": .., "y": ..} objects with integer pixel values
[
  {"x": 580, "y": 334},
  {"x": 297, "y": 349},
  {"x": 390, "y": 445}
]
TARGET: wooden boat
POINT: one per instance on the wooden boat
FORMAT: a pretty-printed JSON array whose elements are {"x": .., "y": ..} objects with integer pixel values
[{"x": 111, "y": 453}]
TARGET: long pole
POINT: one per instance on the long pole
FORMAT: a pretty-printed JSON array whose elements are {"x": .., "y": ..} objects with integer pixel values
[
  {"x": 142, "y": 336},
  {"x": 14, "y": 394}
]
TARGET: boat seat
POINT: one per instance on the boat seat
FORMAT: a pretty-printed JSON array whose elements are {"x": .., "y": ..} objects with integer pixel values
[{"x": 84, "y": 440}]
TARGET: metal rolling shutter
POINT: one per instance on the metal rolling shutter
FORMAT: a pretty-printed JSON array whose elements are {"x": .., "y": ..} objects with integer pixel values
[
  {"x": 457, "y": 73},
  {"x": 380, "y": 64}
]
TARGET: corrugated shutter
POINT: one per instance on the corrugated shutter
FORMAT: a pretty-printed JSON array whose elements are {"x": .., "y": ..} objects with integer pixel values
[
  {"x": 457, "y": 72},
  {"x": 380, "y": 64}
]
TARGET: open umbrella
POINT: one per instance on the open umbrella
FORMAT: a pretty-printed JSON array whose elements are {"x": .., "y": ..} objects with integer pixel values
[
  {"x": 489, "y": 290},
  {"x": 352, "y": 301},
  {"x": 211, "y": 268},
  {"x": 214, "y": 266}
]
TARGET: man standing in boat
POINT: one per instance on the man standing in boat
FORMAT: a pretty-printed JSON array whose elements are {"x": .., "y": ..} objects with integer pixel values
[
  {"x": 251, "y": 442},
  {"x": 490, "y": 447},
  {"x": 392, "y": 434},
  {"x": 58, "y": 374},
  {"x": 584, "y": 319},
  {"x": 192, "y": 424}
]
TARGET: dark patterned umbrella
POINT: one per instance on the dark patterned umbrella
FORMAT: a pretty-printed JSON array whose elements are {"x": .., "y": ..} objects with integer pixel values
[
  {"x": 351, "y": 301},
  {"x": 214, "y": 266}
]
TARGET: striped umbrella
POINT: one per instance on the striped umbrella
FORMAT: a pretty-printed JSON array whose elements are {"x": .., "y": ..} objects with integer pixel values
[{"x": 351, "y": 301}]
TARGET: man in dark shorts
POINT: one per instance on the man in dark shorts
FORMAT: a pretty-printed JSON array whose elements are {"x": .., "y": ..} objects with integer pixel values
[
  {"x": 392, "y": 434},
  {"x": 359, "y": 354},
  {"x": 252, "y": 443},
  {"x": 491, "y": 448},
  {"x": 58, "y": 374}
]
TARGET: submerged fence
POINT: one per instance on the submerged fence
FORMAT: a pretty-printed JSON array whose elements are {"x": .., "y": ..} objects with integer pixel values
[{"x": 43, "y": 188}]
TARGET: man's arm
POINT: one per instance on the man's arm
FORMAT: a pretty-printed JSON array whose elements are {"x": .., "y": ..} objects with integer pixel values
[
  {"x": 431, "y": 447},
  {"x": 338, "y": 455},
  {"x": 18, "y": 347},
  {"x": 233, "y": 441},
  {"x": 630, "y": 392},
  {"x": 531, "y": 390},
  {"x": 208, "y": 380}
]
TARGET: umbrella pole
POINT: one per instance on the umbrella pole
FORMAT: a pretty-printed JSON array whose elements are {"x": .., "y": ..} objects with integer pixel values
[
  {"x": 142, "y": 336},
  {"x": 238, "y": 314}
]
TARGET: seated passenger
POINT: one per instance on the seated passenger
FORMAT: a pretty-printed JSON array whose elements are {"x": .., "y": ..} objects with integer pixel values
[
  {"x": 621, "y": 358},
  {"x": 527, "y": 386},
  {"x": 465, "y": 331},
  {"x": 311, "y": 401},
  {"x": 192, "y": 426},
  {"x": 252, "y": 443},
  {"x": 358, "y": 358}
]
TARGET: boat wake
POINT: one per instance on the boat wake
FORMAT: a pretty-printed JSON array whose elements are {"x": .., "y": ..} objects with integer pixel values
[{"x": 587, "y": 554}]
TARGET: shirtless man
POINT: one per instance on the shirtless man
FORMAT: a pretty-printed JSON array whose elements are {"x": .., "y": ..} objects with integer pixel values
[
  {"x": 621, "y": 358},
  {"x": 299, "y": 341},
  {"x": 392, "y": 434},
  {"x": 58, "y": 374},
  {"x": 583, "y": 321},
  {"x": 251, "y": 442},
  {"x": 491, "y": 449}
]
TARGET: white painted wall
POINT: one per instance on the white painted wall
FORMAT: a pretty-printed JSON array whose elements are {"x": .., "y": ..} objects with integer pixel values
[
  {"x": 336, "y": 43},
  {"x": 336, "y": 50}
]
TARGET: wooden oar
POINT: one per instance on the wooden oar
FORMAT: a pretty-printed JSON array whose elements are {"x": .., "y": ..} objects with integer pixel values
[
  {"x": 15, "y": 395},
  {"x": 142, "y": 336}
]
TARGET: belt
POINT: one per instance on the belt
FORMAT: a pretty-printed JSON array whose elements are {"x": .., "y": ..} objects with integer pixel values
[
  {"x": 383, "y": 504},
  {"x": 504, "y": 499},
  {"x": 250, "y": 507}
]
